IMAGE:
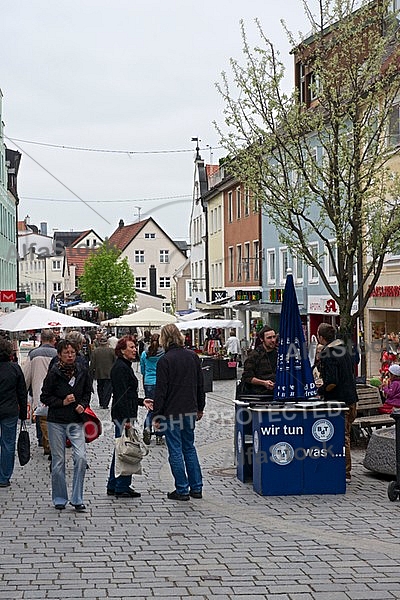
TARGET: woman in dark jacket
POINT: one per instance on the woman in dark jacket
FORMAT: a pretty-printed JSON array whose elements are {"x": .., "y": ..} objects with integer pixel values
[
  {"x": 13, "y": 405},
  {"x": 66, "y": 391},
  {"x": 124, "y": 409}
]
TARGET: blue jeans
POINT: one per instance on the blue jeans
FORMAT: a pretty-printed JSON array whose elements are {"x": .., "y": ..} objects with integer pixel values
[
  {"x": 58, "y": 433},
  {"x": 182, "y": 455},
  {"x": 122, "y": 483},
  {"x": 149, "y": 392},
  {"x": 8, "y": 436}
]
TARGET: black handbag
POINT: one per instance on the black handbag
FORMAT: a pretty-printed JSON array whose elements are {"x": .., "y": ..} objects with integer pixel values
[{"x": 23, "y": 445}]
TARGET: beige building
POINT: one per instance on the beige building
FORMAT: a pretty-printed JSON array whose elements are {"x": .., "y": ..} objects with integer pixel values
[{"x": 153, "y": 257}]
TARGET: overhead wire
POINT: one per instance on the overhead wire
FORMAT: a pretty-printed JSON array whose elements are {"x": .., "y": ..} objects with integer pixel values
[{"x": 108, "y": 151}]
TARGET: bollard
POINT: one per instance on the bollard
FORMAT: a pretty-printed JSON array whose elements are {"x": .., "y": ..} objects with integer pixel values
[{"x": 394, "y": 486}]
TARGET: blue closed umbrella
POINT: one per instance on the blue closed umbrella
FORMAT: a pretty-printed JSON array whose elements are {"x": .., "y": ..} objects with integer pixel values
[{"x": 294, "y": 378}]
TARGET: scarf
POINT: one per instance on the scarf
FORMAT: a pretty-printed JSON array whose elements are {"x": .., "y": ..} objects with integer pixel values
[{"x": 67, "y": 370}]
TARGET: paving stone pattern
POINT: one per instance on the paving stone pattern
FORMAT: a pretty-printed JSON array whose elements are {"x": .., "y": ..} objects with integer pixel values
[{"x": 232, "y": 544}]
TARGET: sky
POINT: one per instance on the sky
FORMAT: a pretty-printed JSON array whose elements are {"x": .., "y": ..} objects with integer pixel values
[{"x": 103, "y": 98}]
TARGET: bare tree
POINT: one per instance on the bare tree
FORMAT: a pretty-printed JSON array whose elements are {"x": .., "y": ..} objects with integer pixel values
[{"x": 324, "y": 168}]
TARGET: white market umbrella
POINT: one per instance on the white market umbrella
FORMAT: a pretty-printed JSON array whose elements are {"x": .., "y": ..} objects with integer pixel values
[
  {"x": 148, "y": 317},
  {"x": 110, "y": 322},
  {"x": 35, "y": 317},
  {"x": 210, "y": 324}
]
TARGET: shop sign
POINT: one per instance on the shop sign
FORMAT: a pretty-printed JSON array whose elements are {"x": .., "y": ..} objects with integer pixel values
[
  {"x": 248, "y": 295},
  {"x": 388, "y": 291},
  {"x": 8, "y": 295},
  {"x": 275, "y": 295},
  {"x": 218, "y": 295},
  {"x": 322, "y": 305}
]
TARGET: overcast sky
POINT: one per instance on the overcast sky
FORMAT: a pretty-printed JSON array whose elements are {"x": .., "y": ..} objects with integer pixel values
[{"x": 121, "y": 75}]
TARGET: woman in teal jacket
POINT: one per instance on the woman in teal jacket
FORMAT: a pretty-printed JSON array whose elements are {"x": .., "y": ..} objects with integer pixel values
[{"x": 148, "y": 367}]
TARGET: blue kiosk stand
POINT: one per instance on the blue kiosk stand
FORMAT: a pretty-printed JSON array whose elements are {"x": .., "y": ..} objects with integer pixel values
[{"x": 299, "y": 449}]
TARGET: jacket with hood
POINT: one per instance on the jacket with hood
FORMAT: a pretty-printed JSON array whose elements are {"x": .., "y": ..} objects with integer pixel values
[
  {"x": 36, "y": 368},
  {"x": 148, "y": 366}
]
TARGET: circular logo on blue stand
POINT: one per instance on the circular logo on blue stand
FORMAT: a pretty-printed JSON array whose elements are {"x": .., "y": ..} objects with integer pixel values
[
  {"x": 282, "y": 453},
  {"x": 322, "y": 430}
]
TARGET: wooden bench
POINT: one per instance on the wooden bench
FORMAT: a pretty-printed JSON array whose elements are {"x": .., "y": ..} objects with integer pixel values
[{"x": 369, "y": 400}]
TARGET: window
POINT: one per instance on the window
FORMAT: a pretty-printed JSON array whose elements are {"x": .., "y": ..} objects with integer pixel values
[
  {"x": 140, "y": 282},
  {"x": 230, "y": 265},
  {"x": 330, "y": 264},
  {"x": 302, "y": 82},
  {"x": 256, "y": 205},
  {"x": 56, "y": 286},
  {"x": 230, "y": 207},
  {"x": 239, "y": 262},
  {"x": 238, "y": 203},
  {"x": 314, "y": 86},
  {"x": 271, "y": 266},
  {"x": 256, "y": 251},
  {"x": 283, "y": 264},
  {"x": 87, "y": 243},
  {"x": 312, "y": 270},
  {"x": 94, "y": 243},
  {"x": 219, "y": 217},
  {"x": 149, "y": 236},
  {"x": 246, "y": 261},
  {"x": 394, "y": 126},
  {"x": 165, "y": 282},
  {"x": 164, "y": 256},
  {"x": 246, "y": 202},
  {"x": 298, "y": 269},
  {"x": 56, "y": 265},
  {"x": 166, "y": 307},
  {"x": 139, "y": 256}
]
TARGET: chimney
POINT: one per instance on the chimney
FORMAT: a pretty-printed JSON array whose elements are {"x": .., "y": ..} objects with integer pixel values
[
  {"x": 121, "y": 223},
  {"x": 43, "y": 228},
  {"x": 27, "y": 220},
  {"x": 153, "y": 279}
]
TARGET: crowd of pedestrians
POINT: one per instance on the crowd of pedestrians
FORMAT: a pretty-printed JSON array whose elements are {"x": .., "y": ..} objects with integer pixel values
[{"x": 60, "y": 375}]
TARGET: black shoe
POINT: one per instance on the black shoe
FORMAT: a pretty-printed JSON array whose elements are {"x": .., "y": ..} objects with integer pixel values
[
  {"x": 110, "y": 492},
  {"x": 48, "y": 457},
  {"x": 197, "y": 495},
  {"x": 175, "y": 496},
  {"x": 59, "y": 506},
  {"x": 147, "y": 436},
  {"x": 79, "y": 507},
  {"x": 5, "y": 484},
  {"x": 128, "y": 494}
]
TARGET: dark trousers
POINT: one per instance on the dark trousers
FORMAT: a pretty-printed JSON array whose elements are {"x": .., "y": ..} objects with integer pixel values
[{"x": 104, "y": 390}]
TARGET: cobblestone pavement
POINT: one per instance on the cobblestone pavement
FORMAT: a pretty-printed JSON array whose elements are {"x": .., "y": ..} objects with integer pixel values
[{"x": 232, "y": 544}]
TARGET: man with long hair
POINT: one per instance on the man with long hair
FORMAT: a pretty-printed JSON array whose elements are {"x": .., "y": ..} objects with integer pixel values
[{"x": 179, "y": 402}]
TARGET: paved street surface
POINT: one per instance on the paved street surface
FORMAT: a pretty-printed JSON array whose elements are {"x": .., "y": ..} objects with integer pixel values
[{"x": 232, "y": 544}]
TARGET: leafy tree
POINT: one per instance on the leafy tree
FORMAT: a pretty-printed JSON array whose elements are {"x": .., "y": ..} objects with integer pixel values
[
  {"x": 324, "y": 170},
  {"x": 108, "y": 282}
]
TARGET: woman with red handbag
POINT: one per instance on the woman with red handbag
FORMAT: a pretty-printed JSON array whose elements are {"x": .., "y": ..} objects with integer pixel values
[{"x": 66, "y": 391}]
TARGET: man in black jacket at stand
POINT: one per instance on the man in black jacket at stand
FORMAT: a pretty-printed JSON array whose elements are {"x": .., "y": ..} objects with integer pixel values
[{"x": 259, "y": 371}]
